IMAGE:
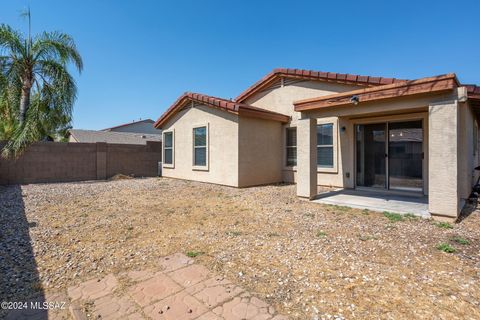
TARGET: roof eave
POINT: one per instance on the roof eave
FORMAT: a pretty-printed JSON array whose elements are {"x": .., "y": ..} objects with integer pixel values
[
  {"x": 396, "y": 90},
  {"x": 255, "y": 113},
  {"x": 224, "y": 105}
]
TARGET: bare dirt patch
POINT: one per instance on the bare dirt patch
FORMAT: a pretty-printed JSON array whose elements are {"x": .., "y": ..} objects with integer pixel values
[{"x": 307, "y": 260}]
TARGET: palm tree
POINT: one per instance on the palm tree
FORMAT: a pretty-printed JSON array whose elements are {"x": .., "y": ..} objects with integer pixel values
[{"x": 36, "y": 91}]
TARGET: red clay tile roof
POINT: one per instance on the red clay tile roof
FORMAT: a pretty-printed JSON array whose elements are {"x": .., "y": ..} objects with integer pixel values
[
  {"x": 473, "y": 91},
  {"x": 368, "y": 81},
  {"x": 227, "y": 105},
  {"x": 394, "y": 90}
]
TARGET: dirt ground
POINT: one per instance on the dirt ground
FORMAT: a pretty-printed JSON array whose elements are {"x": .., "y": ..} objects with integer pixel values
[{"x": 308, "y": 260}]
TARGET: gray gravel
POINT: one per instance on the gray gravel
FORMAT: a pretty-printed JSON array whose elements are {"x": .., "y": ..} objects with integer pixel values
[{"x": 309, "y": 260}]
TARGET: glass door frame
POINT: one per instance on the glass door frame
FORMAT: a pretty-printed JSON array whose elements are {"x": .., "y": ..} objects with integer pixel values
[{"x": 386, "y": 121}]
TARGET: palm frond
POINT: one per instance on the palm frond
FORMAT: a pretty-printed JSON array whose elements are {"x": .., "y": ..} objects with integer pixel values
[
  {"x": 58, "y": 86},
  {"x": 11, "y": 40},
  {"x": 26, "y": 134},
  {"x": 57, "y": 46}
]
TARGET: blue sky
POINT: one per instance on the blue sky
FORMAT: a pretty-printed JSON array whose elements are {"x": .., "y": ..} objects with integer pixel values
[{"x": 140, "y": 56}]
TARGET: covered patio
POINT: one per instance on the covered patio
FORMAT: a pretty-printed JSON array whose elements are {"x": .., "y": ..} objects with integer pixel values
[{"x": 404, "y": 148}]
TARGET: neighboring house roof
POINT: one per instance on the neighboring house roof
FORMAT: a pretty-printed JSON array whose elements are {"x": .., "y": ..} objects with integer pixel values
[
  {"x": 227, "y": 105},
  {"x": 395, "y": 90},
  {"x": 92, "y": 136},
  {"x": 314, "y": 75},
  {"x": 128, "y": 124}
]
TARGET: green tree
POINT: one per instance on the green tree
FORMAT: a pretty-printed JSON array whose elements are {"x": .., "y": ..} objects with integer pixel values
[{"x": 37, "y": 92}]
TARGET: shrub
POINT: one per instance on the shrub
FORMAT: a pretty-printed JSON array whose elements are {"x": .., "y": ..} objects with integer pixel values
[
  {"x": 444, "y": 225},
  {"x": 445, "y": 247},
  {"x": 321, "y": 234},
  {"x": 461, "y": 241},
  {"x": 193, "y": 254},
  {"x": 394, "y": 217}
]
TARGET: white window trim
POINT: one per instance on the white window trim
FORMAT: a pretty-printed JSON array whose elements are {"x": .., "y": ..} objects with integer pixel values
[
  {"x": 207, "y": 156},
  {"x": 168, "y": 165},
  {"x": 334, "y": 168},
  {"x": 286, "y": 166}
]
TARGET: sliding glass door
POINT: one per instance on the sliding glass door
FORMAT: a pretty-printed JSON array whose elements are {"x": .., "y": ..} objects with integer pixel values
[
  {"x": 405, "y": 155},
  {"x": 371, "y": 166},
  {"x": 390, "y": 161}
]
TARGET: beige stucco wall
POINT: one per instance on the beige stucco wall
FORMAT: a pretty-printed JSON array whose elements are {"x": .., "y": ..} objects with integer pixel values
[
  {"x": 222, "y": 145},
  {"x": 260, "y": 152},
  {"x": 280, "y": 99},
  {"x": 306, "y": 158}
]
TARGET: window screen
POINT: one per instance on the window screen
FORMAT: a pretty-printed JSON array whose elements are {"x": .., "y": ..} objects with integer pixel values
[
  {"x": 200, "y": 146},
  {"x": 325, "y": 145}
]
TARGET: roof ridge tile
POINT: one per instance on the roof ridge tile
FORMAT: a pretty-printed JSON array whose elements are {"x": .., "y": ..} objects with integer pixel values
[{"x": 314, "y": 75}]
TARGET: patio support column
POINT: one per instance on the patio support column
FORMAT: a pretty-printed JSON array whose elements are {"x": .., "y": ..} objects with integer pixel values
[
  {"x": 307, "y": 158},
  {"x": 443, "y": 133}
]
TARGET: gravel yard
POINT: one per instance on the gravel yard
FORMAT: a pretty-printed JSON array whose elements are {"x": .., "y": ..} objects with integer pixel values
[{"x": 308, "y": 260}]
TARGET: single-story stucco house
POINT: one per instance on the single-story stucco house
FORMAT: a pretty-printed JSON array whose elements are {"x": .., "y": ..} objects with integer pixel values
[
  {"x": 140, "y": 126},
  {"x": 329, "y": 129},
  {"x": 135, "y": 132},
  {"x": 93, "y": 136}
]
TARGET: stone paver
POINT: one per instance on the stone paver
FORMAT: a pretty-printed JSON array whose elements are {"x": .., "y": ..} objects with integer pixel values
[
  {"x": 175, "y": 261},
  {"x": 209, "y": 316},
  {"x": 179, "y": 290},
  {"x": 153, "y": 289},
  {"x": 77, "y": 311},
  {"x": 93, "y": 289},
  {"x": 245, "y": 307},
  {"x": 181, "y": 306},
  {"x": 139, "y": 275},
  {"x": 214, "y": 291},
  {"x": 112, "y": 307},
  {"x": 190, "y": 275},
  {"x": 137, "y": 316}
]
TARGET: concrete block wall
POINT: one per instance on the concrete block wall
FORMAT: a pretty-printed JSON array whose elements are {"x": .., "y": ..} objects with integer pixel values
[{"x": 45, "y": 162}]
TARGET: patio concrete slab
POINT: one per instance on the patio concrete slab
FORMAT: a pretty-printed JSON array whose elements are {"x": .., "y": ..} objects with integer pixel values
[{"x": 376, "y": 201}]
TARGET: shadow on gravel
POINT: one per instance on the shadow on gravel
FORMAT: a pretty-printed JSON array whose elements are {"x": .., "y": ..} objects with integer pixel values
[
  {"x": 19, "y": 280},
  {"x": 470, "y": 207}
]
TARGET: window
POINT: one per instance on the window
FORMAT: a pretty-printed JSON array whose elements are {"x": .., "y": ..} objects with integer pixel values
[
  {"x": 291, "y": 145},
  {"x": 325, "y": 145},
  {"x": 168, "y": 148},
  {"x": 200, "y": 146}
]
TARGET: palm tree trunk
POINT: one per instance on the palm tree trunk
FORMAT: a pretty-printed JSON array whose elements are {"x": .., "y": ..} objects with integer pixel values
[{"x": 24, "y": 102}]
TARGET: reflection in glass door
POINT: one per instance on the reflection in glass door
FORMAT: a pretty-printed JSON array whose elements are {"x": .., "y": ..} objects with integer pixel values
[
  {"x": 392, "y": 161},
  {"x": 371, "y": 151},
  {"x": 405, "y": 155}
]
